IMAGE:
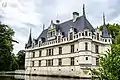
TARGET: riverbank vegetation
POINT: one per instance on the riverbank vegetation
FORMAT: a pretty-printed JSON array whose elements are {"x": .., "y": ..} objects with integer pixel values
[
  {"x": 8, "y": 60},
  {"x": 109, "y": 62}
]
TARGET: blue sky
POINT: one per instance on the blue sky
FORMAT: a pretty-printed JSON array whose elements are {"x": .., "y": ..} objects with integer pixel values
[{"x": 22, "y": 15}]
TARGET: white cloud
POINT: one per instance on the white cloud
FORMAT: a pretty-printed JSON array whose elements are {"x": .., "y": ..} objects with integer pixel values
[{"x": 24, "y": 14}]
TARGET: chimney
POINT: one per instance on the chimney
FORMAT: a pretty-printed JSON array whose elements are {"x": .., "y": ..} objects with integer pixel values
[
  {"x": 57, "y": 21},
  {"x": 75, "y": 16}
]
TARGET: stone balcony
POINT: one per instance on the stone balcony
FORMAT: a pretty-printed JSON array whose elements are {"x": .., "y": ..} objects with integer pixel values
[{"x": 77, "y": 36}]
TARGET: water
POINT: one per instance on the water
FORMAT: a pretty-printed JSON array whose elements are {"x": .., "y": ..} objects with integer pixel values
[{"x": 22, "y": 77}]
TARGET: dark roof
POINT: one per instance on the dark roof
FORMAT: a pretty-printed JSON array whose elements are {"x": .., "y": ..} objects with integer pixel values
[
  {"x": 29, "y": 44},
  {"x": 43, "y": 34},
  {"x": 105, "y": 32},
  {"x": 80, "y": 24}
]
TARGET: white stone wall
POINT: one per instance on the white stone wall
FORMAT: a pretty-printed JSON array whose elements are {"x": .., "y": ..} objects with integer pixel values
[{"x": 79, "y": 55}]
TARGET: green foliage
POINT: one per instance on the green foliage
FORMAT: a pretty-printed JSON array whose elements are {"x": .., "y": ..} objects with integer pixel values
[
  {"x": 109, "y": 68},
  {"x": 6, "y": 57},
  {"x": 21, "y": 59}
]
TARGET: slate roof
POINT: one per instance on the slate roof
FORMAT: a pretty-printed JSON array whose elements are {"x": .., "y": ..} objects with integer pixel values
[
  {"x": 29, "y": 44},
  {"x": 104, "y": 30},
  {"x": 80, "y": 24}
]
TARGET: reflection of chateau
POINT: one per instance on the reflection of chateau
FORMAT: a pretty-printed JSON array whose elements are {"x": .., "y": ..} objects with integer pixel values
[{"x": 69, "y": 48}]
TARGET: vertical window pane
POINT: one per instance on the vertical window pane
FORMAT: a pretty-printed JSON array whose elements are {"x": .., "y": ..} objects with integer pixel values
[
  {"x": 40, "y": 53},
  {"x": 71, "y": 36},
  {"x": 97, "y": 61},
  {"x": 97, "y": 36},
  {"x": 72, "y": 48},
  {"x": 33, "y": 54},
  {"x": 60, "y": 62},
  {"x": 32, "y": 63},
  {"x": 39, "y": 62},
  {"x": 60, "y": 50},
  {"x": 86, "y": 33},
  {"x": 96, "y": 49},
  {"x": 52, "y": 51},
  {"x": 86, "y": 46},
  {"x": 49, "y": 52},
  {"x": 72, "y": 61}
]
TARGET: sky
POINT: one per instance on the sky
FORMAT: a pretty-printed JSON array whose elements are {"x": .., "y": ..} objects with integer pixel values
[{"x": 21, "y": 15}]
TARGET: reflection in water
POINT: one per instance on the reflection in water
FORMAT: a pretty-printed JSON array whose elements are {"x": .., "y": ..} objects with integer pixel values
[
  {"x": 22, "y": 77},
  {"x": 47, "y": 78}
]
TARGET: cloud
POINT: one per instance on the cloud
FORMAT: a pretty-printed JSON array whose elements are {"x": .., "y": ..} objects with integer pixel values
[{"x": 22, "y": 15}]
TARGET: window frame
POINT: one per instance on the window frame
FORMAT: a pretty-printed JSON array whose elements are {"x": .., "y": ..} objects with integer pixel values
[{"x": 72, "y": 48}]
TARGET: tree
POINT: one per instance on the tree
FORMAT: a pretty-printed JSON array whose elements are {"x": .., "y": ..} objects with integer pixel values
[
  {"x": 21, "y": 59},
  {"x": 109, "y": 67},
  {"x": 6, "y": 47}
]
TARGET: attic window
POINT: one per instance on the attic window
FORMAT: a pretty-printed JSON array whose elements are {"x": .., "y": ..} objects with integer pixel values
[
  {"x": 105, "y": 40},
  {"x": 86, "y": 33},
  {"x": 82, "y": 34}
]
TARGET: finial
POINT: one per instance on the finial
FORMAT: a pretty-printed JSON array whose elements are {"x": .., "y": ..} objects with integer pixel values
[
  {"x": 103, "y": 18},
  {"x": 83, "y": 9},
  {"x": 43, "y": 27},
  {"x": 52, "y": 21},
  {"x": 30, "y": 31}
]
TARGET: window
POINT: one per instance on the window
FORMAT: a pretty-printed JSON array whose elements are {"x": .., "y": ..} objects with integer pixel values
[
  {"x": 96, "y": 49},
  {"x": 47, "y": 52},
  {"x": 40, "y": 53},
  {"x": 60, "y": 62},
  {"x": 71, "y": 36},
  {"x": 49, "y": 64},
  {"x": 60, "y": 50},
  {"x": 39, "y": 62},
  {"x": 50, "y": 34},
  {"x": 32, "y": 63},
  {"x": 86, "y": 46},
  {"x": 79, "y": 34},
  {"x": 33, "y": 54},
  {"x": 97, "y": 36},
  {"x": 46, "y": 62},
  {"x": 89, "y": 34},
  {"x": 72, "y": 61},
  {"x": 53, "y": 33},
  {"x": 52, "y": 62},
  {"x": 86, "y": 33},
  {"x": 86, "y": 58},
  {"x": 58, "y": 38},
  {"x": 105, "y": 40},
  {"x": 52, "y": 51},
  {"x": 82, "y": 34},
  {"x": 97, "y": 61},
  {"x": 72, "y": 48}
]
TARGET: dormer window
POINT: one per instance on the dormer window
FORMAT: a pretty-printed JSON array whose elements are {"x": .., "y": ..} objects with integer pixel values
[
  {"x": 71, "y": 36},
  {"x": 86, "y": 33},
  {"x": 52, "y": 31}
]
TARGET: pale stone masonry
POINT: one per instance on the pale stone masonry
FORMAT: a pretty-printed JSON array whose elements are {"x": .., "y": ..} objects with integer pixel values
[{"x": 70, "y": 48}]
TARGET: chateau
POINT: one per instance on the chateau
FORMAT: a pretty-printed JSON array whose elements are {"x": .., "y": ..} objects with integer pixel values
[{"x": 70, "y": 48}]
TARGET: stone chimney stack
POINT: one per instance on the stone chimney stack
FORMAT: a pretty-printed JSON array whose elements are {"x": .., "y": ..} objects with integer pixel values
[{"x": 75, "y": 16}]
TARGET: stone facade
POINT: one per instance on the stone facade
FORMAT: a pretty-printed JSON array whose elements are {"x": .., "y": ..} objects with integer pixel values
[{"x": 71, "y": 55}]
